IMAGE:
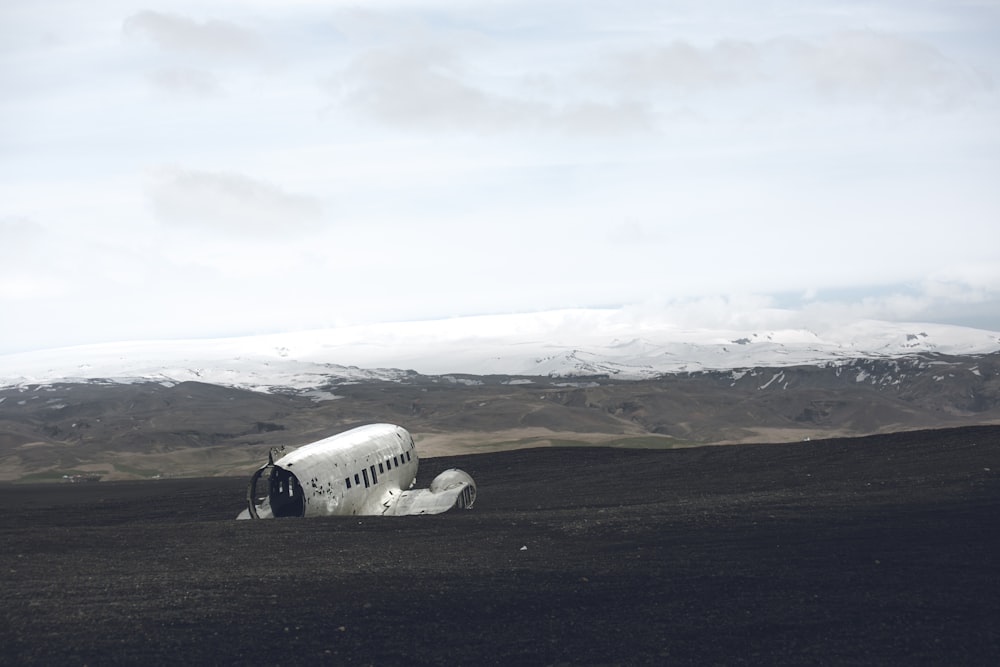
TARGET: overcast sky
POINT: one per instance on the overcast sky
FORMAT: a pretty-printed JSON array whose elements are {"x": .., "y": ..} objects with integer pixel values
[{"x": 195, "y": 169}]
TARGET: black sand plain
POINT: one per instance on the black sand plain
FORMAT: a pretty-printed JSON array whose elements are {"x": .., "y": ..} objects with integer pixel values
[{"x": 877, "y": 550}]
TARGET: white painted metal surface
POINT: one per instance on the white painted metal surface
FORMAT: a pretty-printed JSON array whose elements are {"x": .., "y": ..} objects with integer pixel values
[{"x": 369, "y": 470}]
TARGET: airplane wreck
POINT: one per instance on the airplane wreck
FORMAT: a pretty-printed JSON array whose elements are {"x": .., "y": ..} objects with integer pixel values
[{"x": 369, "y": 470}]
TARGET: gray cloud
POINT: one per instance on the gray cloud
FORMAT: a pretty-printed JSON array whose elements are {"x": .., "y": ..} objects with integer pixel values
[
  {"x": 34, "y": 263},
  {"x": 186, "y": 81},
  {"x": 17, "y": 232},
  {"x": 863, "y": 65},
  {"x": 228, "y": 202},
  {"x": 683, "y": 65},
  {"x": 850, "y": 66},
  {"x": 594, "y": 118},
  {"x": 427, "y": 87},
  {"x": 173, "y": 32},
  {"x": 423, "y": 87}
]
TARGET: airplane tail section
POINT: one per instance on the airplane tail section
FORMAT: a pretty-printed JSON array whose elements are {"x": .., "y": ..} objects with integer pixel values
[{"x": 453, "y": 488}]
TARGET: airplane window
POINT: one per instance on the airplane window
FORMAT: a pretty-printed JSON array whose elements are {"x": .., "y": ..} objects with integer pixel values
[
  {"x": 357, "y": 478},
  {"x": 347, "y": 480},
  {"x": 388, "y": 464},
  {"x": 407, "y": 456},
  {"x": 395, "y": 461},
  {"x": 364, "y": 473},
  {"x": 374, "y": 476},
  {"x": 380, "y": 468}
]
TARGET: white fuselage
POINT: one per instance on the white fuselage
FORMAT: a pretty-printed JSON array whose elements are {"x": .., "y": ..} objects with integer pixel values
[
  {"x": 361, "y": 471},
  {"x": 367, "y": 470}
]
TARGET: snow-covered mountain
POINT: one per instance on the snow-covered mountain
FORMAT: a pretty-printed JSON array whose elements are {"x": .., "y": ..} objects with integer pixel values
[{"x": 556, "y": 343}]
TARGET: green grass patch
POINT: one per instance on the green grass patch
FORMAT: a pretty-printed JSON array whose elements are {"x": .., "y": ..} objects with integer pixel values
[
  {"x": 511, "y": 444},
  {"x": 57, "y": 475},
  {"x": 630, "y": 442},
  {"x": 131, "y": 470},
  {"x": 649, "y": 442},
  {"x": 634, "y": 442}
]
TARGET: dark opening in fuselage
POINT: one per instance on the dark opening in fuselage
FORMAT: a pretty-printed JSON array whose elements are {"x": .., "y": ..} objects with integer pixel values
[{"x": 285, "y": 494}]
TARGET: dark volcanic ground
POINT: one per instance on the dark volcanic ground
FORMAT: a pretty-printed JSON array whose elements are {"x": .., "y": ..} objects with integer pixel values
[{"x": 879, "y": 550}]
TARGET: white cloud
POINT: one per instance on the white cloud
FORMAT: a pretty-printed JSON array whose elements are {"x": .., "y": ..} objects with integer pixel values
[
  {"x": 26, "y": 286},
  {"x": 229, "y": 202},
  {"x": 23, "y": 276}
]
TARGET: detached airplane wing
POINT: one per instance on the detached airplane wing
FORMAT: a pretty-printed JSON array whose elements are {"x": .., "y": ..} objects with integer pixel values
[{"x": 452, "y": 489}]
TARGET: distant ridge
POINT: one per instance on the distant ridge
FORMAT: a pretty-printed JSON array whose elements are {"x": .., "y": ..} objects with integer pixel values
[
  {"x": 564, "y": 344},
  {"x": 127, "y": 429}
]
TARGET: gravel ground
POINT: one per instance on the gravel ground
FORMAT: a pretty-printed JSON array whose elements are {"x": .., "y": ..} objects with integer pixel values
[{"x": 879, "y": 550}]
